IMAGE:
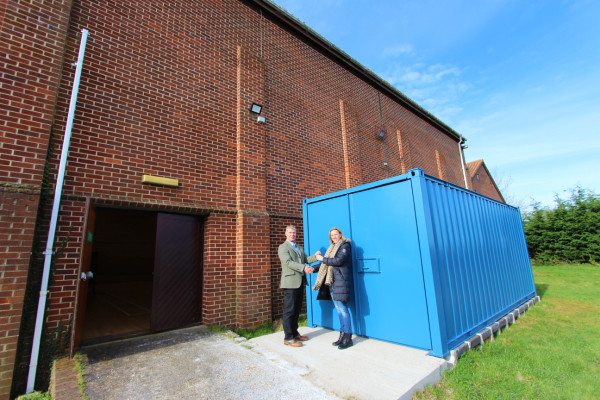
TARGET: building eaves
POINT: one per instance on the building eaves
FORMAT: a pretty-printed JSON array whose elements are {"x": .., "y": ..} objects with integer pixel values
[{"x": 303, "y": 31}]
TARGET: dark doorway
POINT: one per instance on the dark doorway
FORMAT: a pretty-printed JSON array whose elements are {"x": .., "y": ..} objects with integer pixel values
[{"x": 143, "y": 269}]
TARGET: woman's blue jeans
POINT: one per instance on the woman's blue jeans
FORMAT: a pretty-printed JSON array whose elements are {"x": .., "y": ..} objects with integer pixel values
[{"x": 342, "y": 310}]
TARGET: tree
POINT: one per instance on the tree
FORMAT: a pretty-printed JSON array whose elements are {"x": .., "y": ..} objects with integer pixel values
[
  {"x": 503, "y": 183},
  {"x": 570, "y": 232}
]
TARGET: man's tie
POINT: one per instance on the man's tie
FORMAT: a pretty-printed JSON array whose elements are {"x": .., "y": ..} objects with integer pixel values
[{"x": 295, "y": 248}]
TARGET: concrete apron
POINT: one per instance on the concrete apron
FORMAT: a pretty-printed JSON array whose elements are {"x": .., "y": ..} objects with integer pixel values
[
  {"x": 194, "y": 363},
  {"x": 371, "y": 369}
]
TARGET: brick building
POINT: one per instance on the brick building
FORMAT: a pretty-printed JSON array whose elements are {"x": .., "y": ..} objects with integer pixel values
[
  {"x": 482, "y": 181},
  {"x": 166, "y": 91}
]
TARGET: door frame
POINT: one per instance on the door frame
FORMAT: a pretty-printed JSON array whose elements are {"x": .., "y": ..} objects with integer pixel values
[
  {"x": 85, "y": 264},
  {"x": 85, "y": 258}
]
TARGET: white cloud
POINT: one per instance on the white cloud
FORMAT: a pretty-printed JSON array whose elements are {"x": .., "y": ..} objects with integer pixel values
[
  {"x": 544, "y": 134},
  {"x": 419, "y": 74},
  {"x": 546, "y": 143},
  {"x": 398, "y": 50},
  {"x": 537, "y": 89},
  {"x": 438, "y": 88}
]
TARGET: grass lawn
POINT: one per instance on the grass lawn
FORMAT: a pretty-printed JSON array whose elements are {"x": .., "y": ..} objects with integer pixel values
[{"x": 551, "y": 352}]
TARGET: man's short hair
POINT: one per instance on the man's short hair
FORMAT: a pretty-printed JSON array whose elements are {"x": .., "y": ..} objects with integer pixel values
[{"x": 290, "y": 227}]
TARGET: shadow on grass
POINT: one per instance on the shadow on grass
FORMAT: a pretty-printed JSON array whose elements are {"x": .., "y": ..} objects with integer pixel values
[{"x": 541, "y": 288}]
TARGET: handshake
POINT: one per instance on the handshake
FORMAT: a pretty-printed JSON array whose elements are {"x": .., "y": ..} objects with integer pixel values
[{"x": 307, "y": 268}]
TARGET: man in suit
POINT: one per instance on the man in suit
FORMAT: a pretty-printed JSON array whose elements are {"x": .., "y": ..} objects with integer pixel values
[{"x": 294, "y": 264}]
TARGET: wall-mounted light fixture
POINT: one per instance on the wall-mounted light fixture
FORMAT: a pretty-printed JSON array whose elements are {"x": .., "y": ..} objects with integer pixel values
[
  {"x": 464, "y": 146},
  {"x": 261, "y": 119},
  {"x": 381, "y": 134},
  {"x": 256, "y": 108}
]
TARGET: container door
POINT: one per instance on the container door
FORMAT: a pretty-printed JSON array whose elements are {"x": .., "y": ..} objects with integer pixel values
[
  {"x": 176, "y": 299},
  {"x": 390, "y": 294},
  {"x": 320, "y": 217}
]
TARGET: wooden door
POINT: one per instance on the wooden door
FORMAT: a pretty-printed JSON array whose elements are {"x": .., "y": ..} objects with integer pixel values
[
  {"x": 84, "y": 271},
  {"x": 177, "y": 282}
]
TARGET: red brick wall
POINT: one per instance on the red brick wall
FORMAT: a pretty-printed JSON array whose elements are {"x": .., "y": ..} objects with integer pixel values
[
  {"x": 482, "y": 183},
  {"x": 32, "y": 37},
  {"x": 69, "y": 234},
  {"x": 219, "y": 287},
  {"x": 165, "y": 91},
  {"x": 253, "y": 270},
  {"x": 17, "y": 222}
]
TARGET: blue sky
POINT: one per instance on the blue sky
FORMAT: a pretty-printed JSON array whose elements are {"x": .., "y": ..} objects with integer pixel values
[{"x": 519, "y": 79}]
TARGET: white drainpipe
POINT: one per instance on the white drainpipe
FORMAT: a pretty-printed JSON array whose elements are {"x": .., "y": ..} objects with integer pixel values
[
  {"x": 462, "y": 161},
  {"x": 39, "y": 321}
]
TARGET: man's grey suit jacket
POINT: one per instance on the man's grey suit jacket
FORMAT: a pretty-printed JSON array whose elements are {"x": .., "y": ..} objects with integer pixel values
[{"x": 292, "y": 265}]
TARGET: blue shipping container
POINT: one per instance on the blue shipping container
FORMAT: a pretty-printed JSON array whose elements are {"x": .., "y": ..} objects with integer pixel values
[{"x": 433, "y": 263}]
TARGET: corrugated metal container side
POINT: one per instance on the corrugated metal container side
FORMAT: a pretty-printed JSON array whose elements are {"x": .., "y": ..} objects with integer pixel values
[
  {"x": 433, "y": 263},
  {"x": 479, "y": 266}
]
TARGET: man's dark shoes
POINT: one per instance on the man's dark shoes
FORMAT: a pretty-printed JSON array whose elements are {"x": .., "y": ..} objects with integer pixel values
[
  {"x": 301, "y": 338},
  {"x": 339, "y": 341},
  {"x": 292, "y": 343},
  {"x": 346, "y": 341}
]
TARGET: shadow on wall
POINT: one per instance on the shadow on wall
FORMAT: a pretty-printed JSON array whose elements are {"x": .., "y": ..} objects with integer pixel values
[
  {"x": 359, "y": 287},
  {"x": 327, "y": 307}
]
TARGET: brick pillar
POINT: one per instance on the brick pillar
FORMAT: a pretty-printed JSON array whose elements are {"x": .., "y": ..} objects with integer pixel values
[
  {"x": 440, "y": 165},
  {"x": 219, "y": 288},
  {"x": 405, "y": 151},
  {"x": 351, "y": 145},
  {"x": 401, "y": 152},
  {"x": 253, "y": 290}
]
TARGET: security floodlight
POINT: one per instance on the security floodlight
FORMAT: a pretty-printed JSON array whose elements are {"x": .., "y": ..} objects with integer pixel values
[{"x": 256, "y": 108}]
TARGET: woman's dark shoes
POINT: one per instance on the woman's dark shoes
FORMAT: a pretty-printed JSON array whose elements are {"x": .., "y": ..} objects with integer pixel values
[
  {"x": 346, "y": 341},
  {"x": 339, "y": 341}
]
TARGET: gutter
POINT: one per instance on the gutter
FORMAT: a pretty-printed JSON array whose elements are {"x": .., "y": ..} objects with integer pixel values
[{"x": 462, "y": 160}]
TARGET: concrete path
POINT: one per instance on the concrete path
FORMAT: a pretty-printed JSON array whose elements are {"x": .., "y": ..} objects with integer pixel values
[
  {"x": 194, "y": 363},
  {"x": 371, "y": 369}
]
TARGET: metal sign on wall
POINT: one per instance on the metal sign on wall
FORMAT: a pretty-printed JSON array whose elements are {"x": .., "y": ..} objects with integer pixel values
[{"x": 433, "y": 263}]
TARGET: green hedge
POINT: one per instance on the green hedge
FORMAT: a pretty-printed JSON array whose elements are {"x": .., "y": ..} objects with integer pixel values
[{"x": 570, "y": 232}]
